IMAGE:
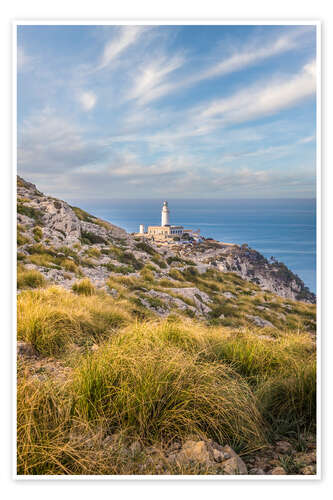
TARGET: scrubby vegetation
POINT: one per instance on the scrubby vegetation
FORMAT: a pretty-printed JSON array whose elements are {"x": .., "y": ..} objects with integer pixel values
[
  {"x": 156, "y": 381},
  {"x": 140, "y": 344}
]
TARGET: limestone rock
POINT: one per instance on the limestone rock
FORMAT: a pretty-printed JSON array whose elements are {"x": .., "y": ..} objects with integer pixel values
[
  {"x": 308, "y": 470},
  {"x": 283, "y": 447},
  {"x": 260, "y": 321},
  {"x": 278, "y": 471},
  {"x": 234, "y": 465},
  {"x": 194, "y": 451}
]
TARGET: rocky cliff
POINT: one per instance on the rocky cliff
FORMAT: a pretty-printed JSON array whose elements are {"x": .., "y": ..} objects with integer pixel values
[{"x": 64, "y": 226}]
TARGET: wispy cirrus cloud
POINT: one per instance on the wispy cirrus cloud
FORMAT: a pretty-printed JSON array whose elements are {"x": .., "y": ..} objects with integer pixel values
[
  {"x": 150, "y": 82},
  {"x": 168, "y": 110},
  {"x": 264, "y": 98},
  {"x": 124, "y": 38},
  {"x": 239, "y": 59}
]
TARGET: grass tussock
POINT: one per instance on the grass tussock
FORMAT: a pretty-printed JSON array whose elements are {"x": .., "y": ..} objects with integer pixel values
[
  {"x": 155, "y": 381},
  {"x": 29, "y": 278},
  {"x": 154, "y": 389},
  {"x": 53, "y": 319},
  {"x": 84, "y": 287}
]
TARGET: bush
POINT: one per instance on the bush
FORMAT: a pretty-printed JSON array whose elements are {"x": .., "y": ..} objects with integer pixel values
[
  {"x": 69, "y": 265},
  {"x": 157, "y": 391},
  {"x": 21, "y": 239},
  {"x": 145, "y": 247},
  {"x": 38, "y": 233},
  {"x": 93, "y": 252},
  {"x": 84, "y": 287},
  {"x": 30, "y": 279},
  {"x": 31, "y": 212},
  {"x": 90, "y": 238},
  {"x": 54, "y": 318}
]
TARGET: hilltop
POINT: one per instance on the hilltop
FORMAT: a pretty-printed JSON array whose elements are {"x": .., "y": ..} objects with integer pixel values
[{"x": 136, "y": 357}]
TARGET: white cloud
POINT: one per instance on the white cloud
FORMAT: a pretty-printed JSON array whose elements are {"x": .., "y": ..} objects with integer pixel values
[
  {"x": 47, "y": 142},
  {"x": 150, "y": 82},
  {"x": 87, "y": 100},
  {"x": 127, "y": 35},
  {"x": 23, "y": 59},
  {"x": 264, "y": 99},
  {"x": 240, "y": 59},
  {"x": 259, "y": 51},
  {"x": 305, "y": 140}
]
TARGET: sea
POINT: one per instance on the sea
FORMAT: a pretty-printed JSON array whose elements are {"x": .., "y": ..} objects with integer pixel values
[{"x": 282, "y": 228}]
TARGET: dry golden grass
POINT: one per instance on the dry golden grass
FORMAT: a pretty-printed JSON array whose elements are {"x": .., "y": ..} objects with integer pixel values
[
  {"x": 52, "y": 319},
  {"x": 155, "y": 381}
]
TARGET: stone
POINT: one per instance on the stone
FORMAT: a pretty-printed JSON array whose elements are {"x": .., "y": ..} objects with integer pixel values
[
  {"x": 283, "y": 447},
  {"x": 194, "y": 451},
  {"x": 26, "y": 349},
  {"x": 229, "y": 295},
  {"x": 234, "y": 464},
  {"x": 306, "y": 458},
  {"x": 94, "y": 347},
  {"x": 218, "y": 455},
  {"x": 260, "y": 321},
  {"x": 257, "y": 471},
  {"x": 278, "y": 471},
  {"x": 308, "y": 470}
]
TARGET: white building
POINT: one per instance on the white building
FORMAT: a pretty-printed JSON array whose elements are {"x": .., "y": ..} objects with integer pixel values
[{"x": 165, "y": 230}]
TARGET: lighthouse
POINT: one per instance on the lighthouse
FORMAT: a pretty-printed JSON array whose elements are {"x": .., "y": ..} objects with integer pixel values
[{"x": 165, "y": 214}]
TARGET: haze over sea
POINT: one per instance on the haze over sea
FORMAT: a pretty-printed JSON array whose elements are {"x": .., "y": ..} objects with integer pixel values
[{"x": 283, "y": 228}]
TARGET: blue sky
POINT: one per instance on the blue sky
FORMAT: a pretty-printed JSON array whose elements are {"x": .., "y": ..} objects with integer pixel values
[{"x": 167, "y": 111}]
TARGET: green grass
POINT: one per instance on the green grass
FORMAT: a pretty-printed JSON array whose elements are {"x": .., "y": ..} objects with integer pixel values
[
  {"x": 22, "y": 239},
  {"x": 38, "y": 233},
  {"x": 31, "y": 212}
]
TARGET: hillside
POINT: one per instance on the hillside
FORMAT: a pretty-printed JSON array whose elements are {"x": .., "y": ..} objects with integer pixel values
[{"x": 135, "y": 358}]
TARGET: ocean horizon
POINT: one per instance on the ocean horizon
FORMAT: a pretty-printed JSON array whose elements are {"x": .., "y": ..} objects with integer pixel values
[{"x": 282, "y": 228}]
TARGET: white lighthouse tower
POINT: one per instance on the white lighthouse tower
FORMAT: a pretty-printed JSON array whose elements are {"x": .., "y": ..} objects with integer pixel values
[{"x": 165, "y": 214}]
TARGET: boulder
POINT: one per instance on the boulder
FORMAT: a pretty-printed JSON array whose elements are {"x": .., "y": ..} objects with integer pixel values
[
  {"x": 260, "y": 321},
  {"x": 209, "y": 454},
  {"x": 194, "y": 451}
]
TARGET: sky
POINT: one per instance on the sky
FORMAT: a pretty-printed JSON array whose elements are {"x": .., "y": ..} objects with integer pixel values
[{"x": 146, "y": 112}]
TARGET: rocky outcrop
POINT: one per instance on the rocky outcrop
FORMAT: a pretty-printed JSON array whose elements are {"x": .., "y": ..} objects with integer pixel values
[
  {"x": 270, "y": 275},
  {"x": 59, "y": 222},
  {"x": 64, "y": 226}
]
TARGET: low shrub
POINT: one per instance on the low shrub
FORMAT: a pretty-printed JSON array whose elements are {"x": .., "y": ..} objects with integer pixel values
[
  {"x": 145, "y": 247},
  {"x": 38, "y": 233},
  {"x": 29, "y": 278},
  {"x": 54, "y": 318},
  {"x": 84, "y": 287}
]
